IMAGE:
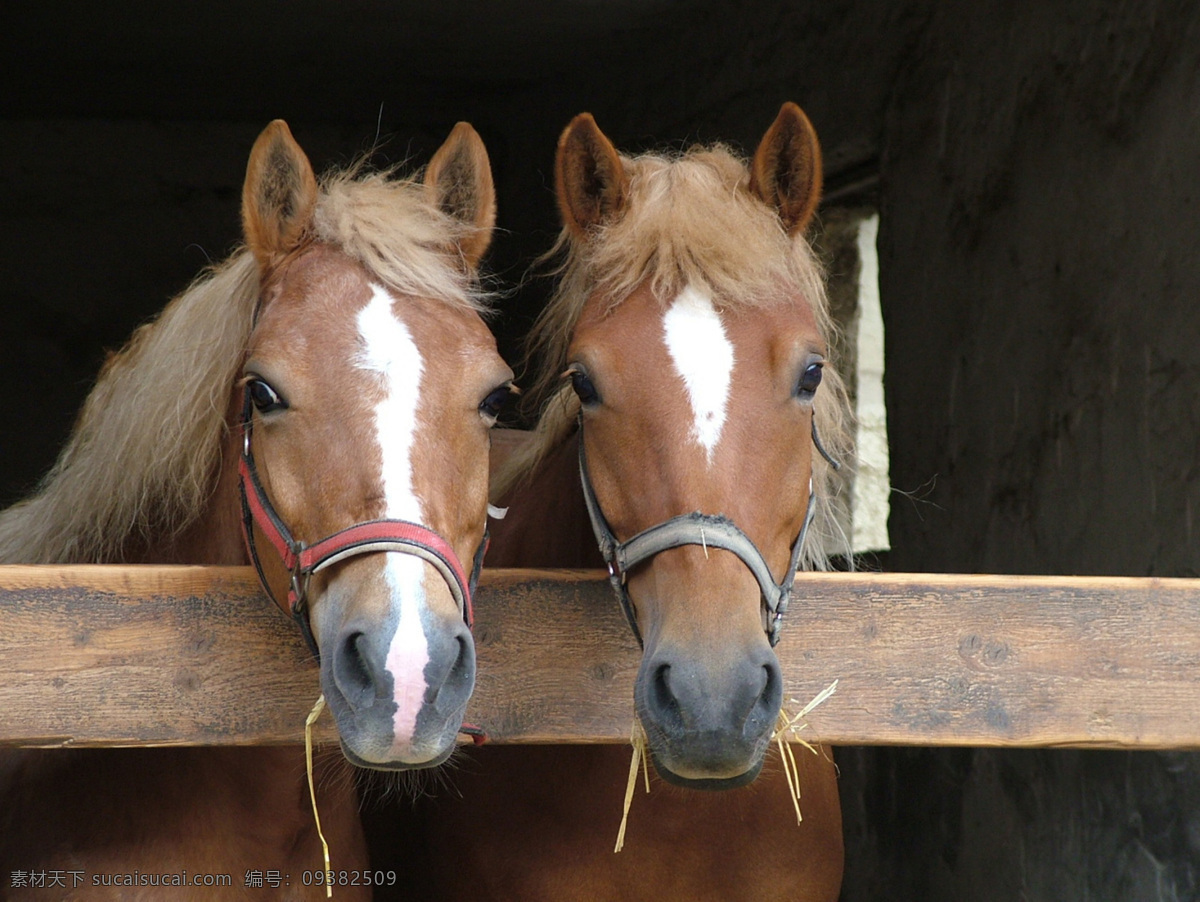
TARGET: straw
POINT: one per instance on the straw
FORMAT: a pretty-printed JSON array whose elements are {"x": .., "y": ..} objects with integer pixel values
[
  {"x": 793, "y": 724},
  {"x": 312, "y": 792},
  {"x": 638, "y": 739}
]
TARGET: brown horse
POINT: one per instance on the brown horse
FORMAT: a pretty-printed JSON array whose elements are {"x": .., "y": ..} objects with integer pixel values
[
  {"x": 686, "y": 379},
  {"x": 330, "y": 390}
]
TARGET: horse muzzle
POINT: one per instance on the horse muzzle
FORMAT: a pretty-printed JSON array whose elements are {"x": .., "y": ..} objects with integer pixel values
[
  {"x": 708, "y": 724},
  {"x": 399, "y": 690}
]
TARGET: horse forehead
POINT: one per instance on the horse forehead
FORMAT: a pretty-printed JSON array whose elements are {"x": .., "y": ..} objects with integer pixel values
[
  {"x": 313, "y": 304},
  {"x": 772, "y": 337},
  {"x": 323, "y": 296},
  {"x": 653, "y": 335},
  {"x": 424, "y": 348},
  {"x": 454, "y": 336},
  {"x": 323, "y": 275}
]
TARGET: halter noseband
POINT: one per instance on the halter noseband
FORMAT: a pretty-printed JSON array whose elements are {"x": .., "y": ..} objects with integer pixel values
[
  {"x": 695, "y": 528},
  {"x": 370, "y": 536}
]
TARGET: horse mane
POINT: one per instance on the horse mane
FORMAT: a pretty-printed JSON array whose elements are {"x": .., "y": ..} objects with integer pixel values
[
  {"x": 393, "y": 227},
  {"x": 689, "y": 220},
  {"x": 142, "y": 460}
]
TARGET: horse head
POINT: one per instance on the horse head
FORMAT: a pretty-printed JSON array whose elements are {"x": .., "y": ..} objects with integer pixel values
[
  {"x": 370, "y": 384},
  {"x": 696, "y": 356}
]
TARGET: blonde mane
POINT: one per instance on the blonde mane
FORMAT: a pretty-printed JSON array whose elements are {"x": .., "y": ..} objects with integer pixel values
[
  {"x": 690, "y": 220},
  {"x": 142, "y": 460}
]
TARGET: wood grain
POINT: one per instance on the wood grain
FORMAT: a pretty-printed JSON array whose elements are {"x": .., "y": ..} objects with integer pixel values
[{"x": 197, "y": 656}]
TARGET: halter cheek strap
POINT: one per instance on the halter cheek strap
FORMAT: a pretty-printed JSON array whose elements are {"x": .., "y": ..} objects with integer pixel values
[
  {"x": 695, "y": 528},
  {"x": 368, "y": 537}
]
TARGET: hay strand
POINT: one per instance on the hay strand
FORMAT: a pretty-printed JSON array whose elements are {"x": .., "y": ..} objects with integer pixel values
[
  {"x": 788, "y": 724},
  {"x": 793, "y": 724},
  {"x": 637, "y": 739},
  {"x": 312, "y": 792}
]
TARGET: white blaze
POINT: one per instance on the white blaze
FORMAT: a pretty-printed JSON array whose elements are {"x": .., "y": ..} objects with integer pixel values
[
  {"x": 703, "y": 357},
  {"x": 389, "y": 350}
]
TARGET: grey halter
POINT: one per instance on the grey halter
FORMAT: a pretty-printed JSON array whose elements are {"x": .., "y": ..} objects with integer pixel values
[{"x": 696, "y": 528}]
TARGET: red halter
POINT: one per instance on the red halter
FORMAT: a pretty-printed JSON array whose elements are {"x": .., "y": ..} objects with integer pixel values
[{"x": 368, "y": 537}]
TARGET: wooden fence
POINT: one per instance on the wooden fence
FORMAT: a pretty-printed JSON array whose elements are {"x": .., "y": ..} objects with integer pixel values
[{"x": 93, "y": 656}]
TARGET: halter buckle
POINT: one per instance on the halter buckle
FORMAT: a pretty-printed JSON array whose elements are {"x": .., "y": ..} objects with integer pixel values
[{"x": 299, "y": 586}]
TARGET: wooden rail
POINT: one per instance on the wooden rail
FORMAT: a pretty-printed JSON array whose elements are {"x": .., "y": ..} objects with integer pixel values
[{"x": 197, "y": 656}]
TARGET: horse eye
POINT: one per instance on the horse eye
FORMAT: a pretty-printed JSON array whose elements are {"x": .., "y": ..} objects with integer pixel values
[
  {"x": 809, "y": 381},
  {"x": 491, "y": 406},
  {"x": 264, "y": 398},
  {"x": 584, "y": 389}
]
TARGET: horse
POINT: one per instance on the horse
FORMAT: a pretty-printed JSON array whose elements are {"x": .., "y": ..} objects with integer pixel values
[
  {"x": 690, "y": 423},
  {"x": 319, "y": 405}
]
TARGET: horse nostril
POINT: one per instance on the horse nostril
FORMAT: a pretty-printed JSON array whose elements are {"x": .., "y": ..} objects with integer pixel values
[
  {"x": 464, "y": 665},
  {"x": 765, "y": 709},
  {"x": 450, "y": 683},
  {"x": 773, "y": 684},
  {"x": 352, "y": 671},
  {"x": 460, "y": 677},
  {"x": 663, "y": 699}
]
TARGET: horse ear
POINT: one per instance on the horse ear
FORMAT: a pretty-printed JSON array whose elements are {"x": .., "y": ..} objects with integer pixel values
[
  {"x": 459, "y": 178},
  {"x": 786, "y": 170},
  {"x": 589, "y": 179},
  {"x": 279, "y": 195}
]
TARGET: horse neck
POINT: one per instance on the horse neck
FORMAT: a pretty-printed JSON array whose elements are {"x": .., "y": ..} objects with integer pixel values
[
  {"x": 215, "y": 536},
  {"x": 547, "y": 523}
]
